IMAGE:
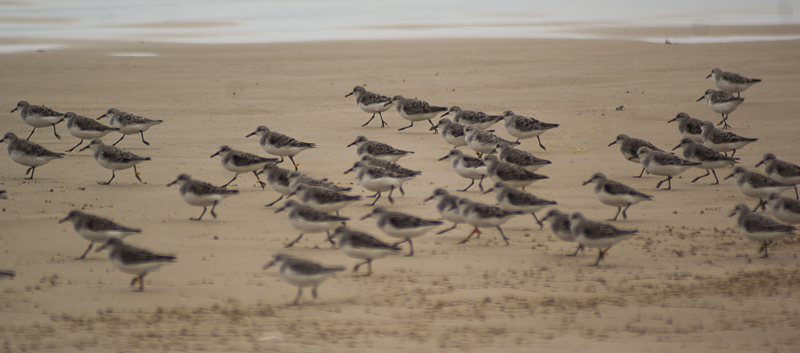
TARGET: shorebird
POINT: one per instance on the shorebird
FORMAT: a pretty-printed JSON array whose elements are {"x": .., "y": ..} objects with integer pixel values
[
  {"x": 521, "y": 158},
  {"x": 616, "y": 194},
  {"x": 371, "y": 102},
  {"x": 362, "y": 246},
  {"x": 129, "y": 124},
  {"x": 323, "y": 199},
  {"x": 591, "y": 234},
  {"x": 511, "y": 199},
  {"x": 308, "y": 219},
  {"x": 296, "y": 179},
  {"x": 415, "y": 110},
  {"x": 723, "y": 141},
  {"x": 96, "y": 229},
  {"x": 378, "y": 180},
  {"x": 467, "y": 167},
  {"x": 689, "y": 127},
  {"x": 134, "y": 261},
  {"x": 114, "y": 158},
  {"x": 278, "y": 180},
  {"x": 38, "y": 116},
  {"x": 279, "y": 144},
  {"x": 390, "y": 166},
  {"x": 722, "y": 103},
  {"x": 85, "y": 128},
  {"x": 757, "y": 186},
  {"x": 447, "y": 205},
  {"x": 760, "y": 228},
  {"x": 523, "y": 127},
  {"x": 479, "y": 215},
  {"x": 401, "y": 225},
  {"x": 663, "y": 164},
  {"x": 511, "y": 174},
  {"x": 482, "y": 141},
  {"x": 377, "y": 149},
  {"x": 200, "y": 193},
  {"x": 630, "y": 149},
  {"x": 28, "y": 153},
  {"x": 242, "y": 162},
  {"x": 784, "y": 209},
  {"x": 780, "y": 171},
  {"x": 453, "y": 133},
  {"x": 302, "y": 273},
  {"x": 477, "y": 119},
  {"x": 707, "y": 157},
  {"x": 560, "y": 225},
  {"x": 731, "y": 82}
]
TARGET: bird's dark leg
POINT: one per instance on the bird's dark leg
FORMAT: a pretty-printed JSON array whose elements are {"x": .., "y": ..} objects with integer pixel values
[
  {"x": 503, "y": 235},
  {"x": 212, "y": 209},
  {"x": 734, "y": 153},
  {"x": 76, "y": 146},
  {"x": 411, "y": 247},
  {"x": 299, "y": 293},
  {"x": 475, "y": 230},
  {"x": 383, "y": 123},
  {"x": 448, "y": 229},
  {"x": 314, "y": 292},
  {"x": 370, "y": 119},
  {"x": 617, "y": 215},
  {"x": 625, "y": 212},
  {"x": 274, "y": 202},
  {"x": 540, "y": 143},
  {"x": 378, "y": 194},
  {"x": 294, "y": 241},
  {"x": 640, "y": 174},
  {"x": 472, "y": 181},
  {"x": 580, "y": 247},
  {"x": 136, "y": 174},
  {"x": 55, "y": 133},
  {"x": 403, "y": 128},
  {"x": 291, "y": 158},
  {"x": 86, "y": 252},
  {"x": 480, "y": 183},
  {"x": 141, "y": 132},
  {"x": 669, "y": 183},
  {"x": 30, "y": 170},
  {"x": 435, "y": 130},
  {"x": 201, "y": 215},
  {"x": 120, "y": 139},
  {"x": 541, "y": 226},
  {"x": 330, "y": 240},
  {"x": 257, "y": 178},
  {"x": 29, "y": 136},
  {"x": 390, "y": 195},
  {"x": 708, "y": 172},
  {"x": 109, "y": 180},
  {"x": 599, "y": 256},
  {"x": 234, "y": 178}
]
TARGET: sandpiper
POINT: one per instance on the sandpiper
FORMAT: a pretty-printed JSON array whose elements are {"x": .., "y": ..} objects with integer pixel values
[
  {"x": 467, "y": 167},
  {"x": 519, "y": 157},
  {"x": 453, "y": 133},
  {"x": 447, "y": 205},
  {"x": 511, "y": 199},
  {"x": 629, "y": 147},
  {"x": 134, "y": 261},
  {"x": 278, "y": 180},
  {"x": 371, "y": 102},
  {"x": 401, "y": 225},
  {"x": 362, "y": 246},
  {"x": 664, "y": 164},
  {"x": 523, "y": 127},
  {"x": 96, "y": 229},
  {"x": 760, "y": 228},
  {"x": 482, "y": 141},
  {"x": 377, "y": 149},
  {"x": 302, "y": 273},
  {"x": 279, "y": 144},
  {"x": 477, "y": 119},
  {"x": 479, "y": 215},
  {"x": 200, "y": 193},
  {"x": 38, "y": 116},
  {"x": 378, "y": 180},
  {"x": 784, "y": 209},
  {"x": 780, "y": 171},
  {"x": 114, "y": 158},
  {"x": 323, "y": 199},
  {"x": 757, "y": 186},
  {"x": 723, "y": 141},
  {"x": 242, "y": 162},
  {"x": 85, "y": 128},
  {"x": 129, "y": 124},
  {"x": 560, "y": 225},
  {"x": 689, "y": 127},
  {"x": 731, "y": 82},
  {"x": 415, "y": 110},
  {"x": 390, "y": 166},
  {"x": 296, "y": 178},
  {"x": 616, "y": 194},
  {"x": 591, "y": 234},
  {"x": 308, "y": 219},
  {"x": 28, "y": 153},
  {"x": 707, "y": 157},
  {"x": 722, "y": 103},
  {"x": 511, "y": 174}
]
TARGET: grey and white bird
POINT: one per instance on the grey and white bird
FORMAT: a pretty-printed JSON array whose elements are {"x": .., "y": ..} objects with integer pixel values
[
  {"x": 378, "y": 180},
  {"x": 96, "y": 229},
  {"x": 447, "y": 205},
  {"x": 401, "y": 225},
  {"x": 629, "y": 147},
  {"x": 29, "y": 154},
  {"x": 722, "y": 103},
  {"x": 760, "y": 228},
  {"x": 467, "y": 167},
  {"x": 129, "y": 124},
  {"x": 38, "y": 116},
  {"x": 591, "y": 234},
  {"x": 784, "y": 209},
  {"x": 415, "y": 110},
  {"x": 452, "y": 133},
  {"x": 757, "y": 186},
  {"x": 723, "y": 141},
  {"x": 135, "y": 261},
  {"x": 560, "y": 225},
  {"x": 689, "y": 127},
  {"x": 377, "y": 149},
  {"x": 278, "y": 144},
  {"x": 371, "y": 102},
  {"x": 663, "y": 164},
  {"x": 523, "y": 127},
  {"x": 242, "y": 162},
  {"x": 278, "y": 180},
  {"x": 480, "y": 215},
  {"x": 200, "y": 193},
  {"x": 390, "y": 166},
  {"x": 731, "y": 82},
  {"x": 85, "y": 128},
  {"x": 302, "y": 273},
  {"x": 296, "y": 178},
  {"x": 114, "y": 158},
  {"x": 616, "y": 194},
  {"x": 781, "y": 171},
  {"x": 323, "y": 199},
  {"x": 511, "y": 199},
  {"x": 707, "y": 157},
  {"x": 519, "y": 157},
  {"x": 474, "y": 118},
  {"x": 308, "y": 219},
  {"x": 362, "y": 246},
  {"x": 511, "y": 174},
  {"x": 482, "y": 141}
]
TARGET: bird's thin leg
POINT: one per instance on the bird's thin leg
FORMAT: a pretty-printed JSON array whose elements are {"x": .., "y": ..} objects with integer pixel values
[
  {"x": 299, "y": 293},
  {"x": 120, "y": 139},
  {"x": 383, "y": 123},
  {"x": 234, "y": 178},
  {"x": 640, "y": 174},
  {"x": 617, "y": 215},
  {"x": 29, "y": 136},
  {"x": 136, "y": 174},
  {"x": 541, "y": 226},
  {"x": 370, "y": 119},
  {"x": 708, "y": 172},
  {"x": 293, "y": 163},
  {"x": 378, "y": 194},
  {"x": 274, "y": 202},
  {"x": 472, "y": 181},
  {"x": 625, "y": 212},
  {"x": 201, "y": 215},
  {"x": 212, "y": 209},
  {"x": 390, "y": 195},
  {"x": 141, "y": 132},
  {"x": 86, "y": 252},
  {"x": 257, "y": 178},
  {"x": 580, "y": 247},
  {"x": 503, "y": 235},
  {"x": 30, "y": 170},
  {"x": 448, "y": 229},
  {"x": 294, "y": 241},
  {"x": 55, "y": 133},
  {"x": 435, "y": 130},
  {"x": 109, "y": 180},
  {"x": 540, "y": 143},
  {"x": 76, "y": 146},
  {"x": 403, "y": 128}
]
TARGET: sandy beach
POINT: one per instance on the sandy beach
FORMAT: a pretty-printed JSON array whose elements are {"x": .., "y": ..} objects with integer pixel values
[{"x": 687, "y": 281}]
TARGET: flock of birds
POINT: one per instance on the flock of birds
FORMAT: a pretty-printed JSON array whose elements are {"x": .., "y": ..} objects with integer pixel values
[{"x": 317, "y": 202}]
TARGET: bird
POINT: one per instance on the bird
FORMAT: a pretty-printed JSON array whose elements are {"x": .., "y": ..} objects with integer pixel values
[
  {"x": 453, "y": 133},
  {"x": 689, "y": 127},
  {"x": 467, "y": 167},
  {"x": 479, "y": 215},
  {"x": 480, "y": 120},
  {"x": 760, "y": 228},
  {"x": 38, "y": 116},
  {"x": 279, "y": 144},
  {"x": 447, "y": 205},
  {"x": 96, "y": 229},
  {"x": 29, "y": 154},
  {"x": 722, "y": 103},
  {"x": 591, "y": 234},
  {"x": 415, "y": 110},
  {"x": 296, "y": 178},
  {"x": 757, "y": 186},
  {"x": 362, "y": 246},
  {"x": 134, "y": 261},
  {"x": 371, "y": 102},
  {"x": 482, "y": 141},
  {"x": 560, "y": 225},
  {"x": 378, "y": 180},
  {"x": 707, "y": 157},
  {"x": 784, "y": 209},
  {"x": 390, "y": 166},
  {"x": 401, "y": 225},
  {"x": 781, "y": 171},
  {"x": 664, "y": 164},
  {"x": 511, "y": 174},
  {"x": 616, "y": 194},
  {"x": 85, "y": 128},
  {"x": 723, "y": 141},
  {"x": 511, "y": 199},
  {"x": 242, "y": 162},
  {"x": 129, "y": 124},
  {"x": 308, "y": 219},
  {"x": 523, "y": 127},
  {"x": 323, "y": 199},
  {"x": 377, "y": 149},
  {"x": 302, "y": 273},
  {"x": 114, "y": 158},
  {"x": 278, "y": 180},
  {"x": 519, "y": 157},
  {"x": 629, "y": 147},
  {"x": 731, "y": 82},
  {"x": 200, "y": 193}
]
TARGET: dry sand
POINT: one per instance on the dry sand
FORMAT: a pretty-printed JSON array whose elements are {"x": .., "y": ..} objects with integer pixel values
[{"x": 688, "y": 281}]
